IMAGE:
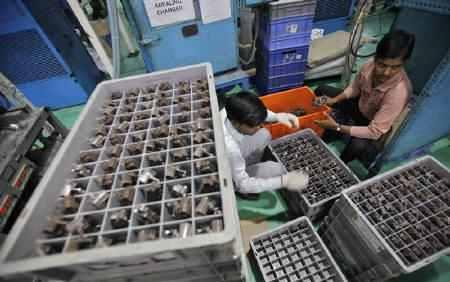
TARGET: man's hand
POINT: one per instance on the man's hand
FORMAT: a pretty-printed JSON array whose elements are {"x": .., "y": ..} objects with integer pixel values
[
  {"x": 324, "y": 100},
  {"x": 295, "y": 181},
  {"x": 328, "y": 123},
  {"x": 288, "y": 119}
]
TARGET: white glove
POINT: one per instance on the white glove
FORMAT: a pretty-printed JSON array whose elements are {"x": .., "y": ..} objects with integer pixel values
[
  {"x": 295, "y": 181},
  {"x": 288, "y": 119}
]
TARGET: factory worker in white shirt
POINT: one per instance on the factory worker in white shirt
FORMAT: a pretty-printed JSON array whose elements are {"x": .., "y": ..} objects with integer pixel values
[{"x": 245, "y": 140}]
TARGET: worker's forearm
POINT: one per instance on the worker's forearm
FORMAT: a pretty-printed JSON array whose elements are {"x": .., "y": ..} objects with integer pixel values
[
  {"x": 345, "y": 129},
  {"x": 339, "y": 98}
]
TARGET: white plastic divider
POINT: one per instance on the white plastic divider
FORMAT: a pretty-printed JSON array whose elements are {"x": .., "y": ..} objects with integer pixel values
[{"x": 136, "y": 110}]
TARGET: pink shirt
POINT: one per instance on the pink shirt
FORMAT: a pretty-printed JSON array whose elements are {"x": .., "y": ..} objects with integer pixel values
[{"x": 381, "y": 104}]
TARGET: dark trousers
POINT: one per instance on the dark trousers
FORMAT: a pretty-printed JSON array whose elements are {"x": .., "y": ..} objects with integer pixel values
[{"x": 347, "y": 113}]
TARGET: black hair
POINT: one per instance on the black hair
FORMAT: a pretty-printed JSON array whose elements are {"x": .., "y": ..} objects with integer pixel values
[
  {"x": 396, "y": 44},
  {"x": 245, "y": 108}
]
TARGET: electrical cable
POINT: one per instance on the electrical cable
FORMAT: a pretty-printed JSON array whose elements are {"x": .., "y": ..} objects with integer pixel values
[
  {"x": 359, "y": 22},
  {"x": 115, "y": 36},
  {"x": 253, "y": 51},
  {"x": 356, "y": 34},
  {"x": 356, "y": 31}
]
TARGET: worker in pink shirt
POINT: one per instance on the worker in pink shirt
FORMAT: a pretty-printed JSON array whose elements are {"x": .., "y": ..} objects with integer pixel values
[{"x": 367, "y": 108}]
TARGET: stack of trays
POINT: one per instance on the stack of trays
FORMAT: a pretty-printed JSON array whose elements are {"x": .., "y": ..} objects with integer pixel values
[
  {"x": 284, "y": 35},
  {"x": 394, "y": 223}
]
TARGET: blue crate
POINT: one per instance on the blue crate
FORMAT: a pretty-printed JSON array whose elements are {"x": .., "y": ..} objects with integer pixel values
[
  {"x": 276, "y": 70},
  {"x": 286, "y": 8},
  {"x": 295, "y": 54},
  {"x": 290, "y": 26},
  {"x": 284, "y": 43},
  {"x": 279, "y": 33},
  {"x": 266, "y": 84}
]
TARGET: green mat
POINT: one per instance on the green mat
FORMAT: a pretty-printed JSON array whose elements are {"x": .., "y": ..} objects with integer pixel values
[
  {"x": 436, "y": 272},
  {"x": 68, "y": 116},
  {"x": 269, "y": 205}
]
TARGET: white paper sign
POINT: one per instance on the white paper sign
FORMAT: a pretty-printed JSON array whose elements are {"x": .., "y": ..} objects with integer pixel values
[
  {"x": 215, "y": 10},
  {"x": 317, "y": 33},
  {"x": 163, "y": 12}
]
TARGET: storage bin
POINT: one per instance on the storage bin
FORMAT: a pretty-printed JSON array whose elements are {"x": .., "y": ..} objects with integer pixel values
[{"x": 290, "y": 100}]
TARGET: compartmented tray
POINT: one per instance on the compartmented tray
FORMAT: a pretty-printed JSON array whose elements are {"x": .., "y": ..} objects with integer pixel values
[
  {"x": 141, "y": 166},
  {"x": 396, "y": 222},
  {"x": 294, "y": 252},
  {"x": 360, "y": 258},
  {"x": 409, "y": 209},
  {"x": 149, "y": 172},
  {"x": 328, "y": 175}
]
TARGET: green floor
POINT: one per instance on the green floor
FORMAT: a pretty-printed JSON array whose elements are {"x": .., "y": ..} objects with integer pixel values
[{"x": 271, "y": 207}]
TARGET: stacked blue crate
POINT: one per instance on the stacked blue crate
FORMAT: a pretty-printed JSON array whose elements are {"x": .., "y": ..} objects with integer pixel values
[{"x": 282, "y": 46}]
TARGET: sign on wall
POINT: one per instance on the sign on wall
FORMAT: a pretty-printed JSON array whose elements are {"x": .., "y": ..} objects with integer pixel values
[
  {"x": 215, "y": 10},
  {"x": 163, "y": 12}
]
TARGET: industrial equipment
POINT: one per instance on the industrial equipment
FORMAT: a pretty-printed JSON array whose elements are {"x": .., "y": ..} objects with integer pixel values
[
  {"x": 29, "y": 139},
  {"x": 177, "y": 33},
  {"x": 332, "y": 15},
  {"x": 41, "y": 53}
]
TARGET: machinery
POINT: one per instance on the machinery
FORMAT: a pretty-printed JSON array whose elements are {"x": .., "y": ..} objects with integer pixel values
[
  {"x": 40, "y": 52},
  {"x": 29, "y": 138},
  {"x": 332, "y": 16},
  {"x": 177, "y": 33}
]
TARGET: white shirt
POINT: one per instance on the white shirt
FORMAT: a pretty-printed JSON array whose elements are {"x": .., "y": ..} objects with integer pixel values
[{"x": 243, "y": 182}]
